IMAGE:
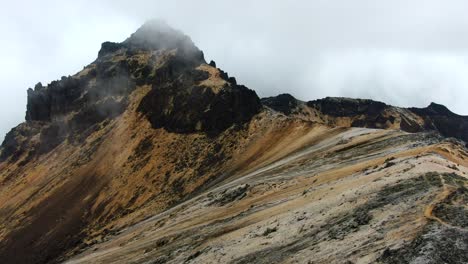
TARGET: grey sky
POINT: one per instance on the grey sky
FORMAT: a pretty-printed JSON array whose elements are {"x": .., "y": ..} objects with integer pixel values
[{"x": 406, "y": 53}]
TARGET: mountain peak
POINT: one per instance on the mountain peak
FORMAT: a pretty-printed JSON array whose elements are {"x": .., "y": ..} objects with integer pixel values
[
  {"x": 179, "y": 91},
  {"x": 155, "y": 35},
  {"x": 439, "y": 109}
]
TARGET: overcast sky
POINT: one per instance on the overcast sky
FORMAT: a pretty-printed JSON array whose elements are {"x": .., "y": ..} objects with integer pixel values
[{"x": 406, "y": 53}]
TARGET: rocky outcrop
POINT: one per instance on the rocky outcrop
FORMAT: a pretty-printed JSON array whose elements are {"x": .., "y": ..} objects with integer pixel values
[
  {"x": 373, "y": 114},
  {"x": 284, "y": 103},
  {"x": 336, "y": 106},
  {"x": 339, "y": 111},
  {"x": 440, "y": 118},
  {"x": 363, "y": 112},
  {"x": 179, "y": 103},
  {"x": 155, "y": 55},
  {"x": 177, "y": 100}
]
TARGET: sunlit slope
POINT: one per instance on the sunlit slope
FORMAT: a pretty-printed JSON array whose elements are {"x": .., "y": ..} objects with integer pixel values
[{"x": 358, "y": 195}]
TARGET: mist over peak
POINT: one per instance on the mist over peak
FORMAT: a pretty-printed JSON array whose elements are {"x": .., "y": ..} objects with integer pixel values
[{"x": 156, "y": 35}]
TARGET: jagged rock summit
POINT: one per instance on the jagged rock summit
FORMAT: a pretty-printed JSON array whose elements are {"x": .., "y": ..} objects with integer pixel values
[
  {"x": 156, "y": 35},
  {"x": 187, "y": 95},
  {"x": 151, "y": 155}
]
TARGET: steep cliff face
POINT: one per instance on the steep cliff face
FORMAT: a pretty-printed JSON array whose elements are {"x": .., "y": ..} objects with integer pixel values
[
  {"x": 190, "y": 99},
  {"x": 151, "y": 155}
]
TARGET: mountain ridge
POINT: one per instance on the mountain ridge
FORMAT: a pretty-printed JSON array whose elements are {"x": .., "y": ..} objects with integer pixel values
[
  {"x": 434, "y": 117},
  {"x": 151, "y": 155}
]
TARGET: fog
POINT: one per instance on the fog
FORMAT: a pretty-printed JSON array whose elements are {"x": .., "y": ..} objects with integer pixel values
[{"x": 406, "y": 53}]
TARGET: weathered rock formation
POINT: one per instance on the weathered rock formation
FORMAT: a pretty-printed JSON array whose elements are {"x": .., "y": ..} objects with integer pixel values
[
  {"x": 284, "y": 103},
  {"x": 373, "y": 114}
]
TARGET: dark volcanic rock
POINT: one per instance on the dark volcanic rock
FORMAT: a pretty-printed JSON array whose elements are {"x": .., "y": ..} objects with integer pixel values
[
  {"x": 12, "y": 146},
  {"x": 342, "y": 107},
  {"x": 38, "y": 106},
  {"x": 370, "y": 112},
  {"x": 55, "y": 100},
  {"x": 74, "y": 104},
  {"x": 182, "y": 106},
  {"x": 284, "y": 103},
  {"x": 18, "y": 140},
  {"x": 109, "y": 48},
  {"x": 449, "y": 124}
]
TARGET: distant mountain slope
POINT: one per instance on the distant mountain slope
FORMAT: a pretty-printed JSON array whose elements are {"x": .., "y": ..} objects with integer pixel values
[
  {"x": 341, "y": 196},
  {"x": 151, "y": 155},
  {"x": 373, "y": 114}
]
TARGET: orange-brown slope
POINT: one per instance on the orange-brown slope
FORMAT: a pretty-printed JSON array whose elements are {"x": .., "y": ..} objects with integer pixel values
[
  {"x": 358, "y": 195},
  {"x": 94, "y": 155},
  {"x": 126, "y": 171},
  {"x": 72, "y": 176}
]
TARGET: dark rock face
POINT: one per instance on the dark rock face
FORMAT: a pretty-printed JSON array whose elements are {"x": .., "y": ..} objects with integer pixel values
[
  {"x": 438, "y": 117},
  {"x": 342, "y": 107},
  {"x": 198, "y": 108},
  {"x": 70, "y": 106},
  {"x": 284, "y": 103},
  {"x": 17, "y": 141},
  {"x": 178, "y": 104},
  {"x": 109, "y": 48},
  {"x": 38, "y": 107},
  {"x": 369, "y": 113},
  {"x": 176, "y": 101},
  {"x": 12, "y": 146},
  {"x": 56, "y": 99}
]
